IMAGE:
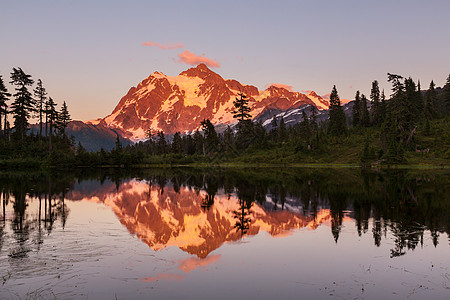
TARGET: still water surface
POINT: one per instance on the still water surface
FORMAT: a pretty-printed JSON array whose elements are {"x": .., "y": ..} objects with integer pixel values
[{"x": 203, "y": 234}]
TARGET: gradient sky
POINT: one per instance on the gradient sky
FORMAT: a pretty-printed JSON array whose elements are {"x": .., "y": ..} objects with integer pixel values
[{"x": 89, "y": 53}]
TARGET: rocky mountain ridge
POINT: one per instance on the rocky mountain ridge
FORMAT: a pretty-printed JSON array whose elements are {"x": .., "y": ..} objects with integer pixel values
[{"x": 180, "y": 103}]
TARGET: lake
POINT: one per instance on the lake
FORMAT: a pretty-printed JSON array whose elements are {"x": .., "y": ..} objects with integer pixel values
[{"x": 221, "y": 233}]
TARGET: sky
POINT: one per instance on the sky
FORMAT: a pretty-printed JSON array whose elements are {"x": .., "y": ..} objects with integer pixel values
[{"x": 90, "y": 53}]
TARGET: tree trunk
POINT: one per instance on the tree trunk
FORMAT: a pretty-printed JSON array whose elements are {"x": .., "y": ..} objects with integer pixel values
[
  {"x": 6, "y": 117},
  {"x": 50, "y": 136},
  {"x": 40, "y": 123},
  {"x": 46, "y": 124}
]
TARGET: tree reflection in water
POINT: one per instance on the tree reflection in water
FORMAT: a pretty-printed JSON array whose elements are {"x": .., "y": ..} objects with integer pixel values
[
  {"x": 29, "y": 228},
  {"x": 404, "y": 203}
]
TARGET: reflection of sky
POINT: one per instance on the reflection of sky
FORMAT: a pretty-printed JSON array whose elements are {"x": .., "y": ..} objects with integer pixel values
[{"x": 96, "y": 254}]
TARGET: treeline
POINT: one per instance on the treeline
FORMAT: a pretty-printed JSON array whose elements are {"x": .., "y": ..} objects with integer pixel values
[
  {"x": 389, "y": 127},
  {"x": 380, "y": 129},
  {"x": 16, "y": 144}
]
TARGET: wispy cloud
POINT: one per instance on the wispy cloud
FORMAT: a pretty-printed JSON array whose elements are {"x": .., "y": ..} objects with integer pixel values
[
  {"x": 167, "y": 46},
  {"x": 193, "y": 59}
]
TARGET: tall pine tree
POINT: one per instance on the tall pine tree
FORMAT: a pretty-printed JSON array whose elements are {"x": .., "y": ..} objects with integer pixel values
[
  {"x": 365, "y": 119},
  {"x": 41, "y": 96},
  {"x": 211, "y": 139},
  {"x": 242, "y": 108},
  {"x": 375, "y": 107},
  {"x": 245, "y": 133},
  {"x": 430, "y": 102},
  {"x": 356, "y": 112},
  {"x": 52, "y": 117},
  {"x": 4, "y": 96},
  {"x": 446, "y": 95},
  {"x": 337, "y": 117},
  {"x": 23, "y": 104},
  {"x": 63, "y": 119}
]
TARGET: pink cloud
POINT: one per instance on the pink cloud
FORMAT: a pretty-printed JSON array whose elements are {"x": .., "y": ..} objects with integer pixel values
[
  {"x": 280, "y": 85},
  {"x": 193, "y": 59},
  {"x": 193, "y": 263},
  {"x": 167, "y": 46}
]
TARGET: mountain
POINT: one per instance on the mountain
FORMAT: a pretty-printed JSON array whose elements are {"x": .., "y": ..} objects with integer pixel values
[
  {"x": 92, "y": 137},
  {"x": 95, "y": 137},
  {"x": 180, "y": 103}
]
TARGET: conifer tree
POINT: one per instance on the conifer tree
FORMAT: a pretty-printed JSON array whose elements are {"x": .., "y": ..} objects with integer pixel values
[
  {"x": 365, "y": 119},
  {"x": 118, "y": 145},
  {"x": 375, "y": 98},
  {"x": 245, "y": 125},
  {"x": 228, "y": 138},
  {"x": 273, "y": 134},
  {"x": 52, "y": 117},
  {"x": 149, "y": 134},
  {"x": 383, "y": 105},
  {"x": 430, "y": 101},
  {"x": 313, "y": 120},
  {"x": 41, "y": 95},
  {"x": 356, "y": 119},
  {"x": 177, "y": 146},
  {"x": 63, "y": 119},
  {"x": 446, "y": 95},
  {"x": 274, "y": 123},
  {"x": 305, "y": 129},
  {"x": 282, "y": 131},
  {"x": 398, "y": 121},
  {"x": 337, "y": 116},
  {"x": 23, "y": 103},
  {"x": 242, "y": 109},
  {"x": 4, "y": 96},
  {"x": 161, "y": 143},
  {"x": 210, "y": 136},
  {"x": 419, "y": 103},
  {"x": 198, "y": 143},
  {"x": 399, "y": 108},
  {"x": 412, "y": 100}
]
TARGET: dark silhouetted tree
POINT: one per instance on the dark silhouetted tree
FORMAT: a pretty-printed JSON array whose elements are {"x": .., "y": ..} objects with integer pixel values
[
  {"x": 242, "y": 109},
  {"x": 4, "y": 96},
  {"x": 23, "y": 104},
  {"x": 375, "y": 110},
  {"x": 305, "y": 128},
  {"x": 365, "y": 119},
  {"x": 430, "y": 101},
  {"x": 63, "y": 119},
  {"x": 41, "y": 96},
  {"x": 446, "y": 95},
  {"x": 337, "y": 116},
  {"x": 282, "y": 131},
  {"x": 161, "y": 143},
  {"x": 210, "y": 137},
  {"x": 52, "y": 116},
  {"x": 356, "y": 117},
  {"x": 228, "y": 139},
  {"x": 177, "y": 146}
]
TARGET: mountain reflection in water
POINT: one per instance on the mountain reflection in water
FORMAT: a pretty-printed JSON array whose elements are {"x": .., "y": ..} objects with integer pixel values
[{"x": 199, "y": 211}]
